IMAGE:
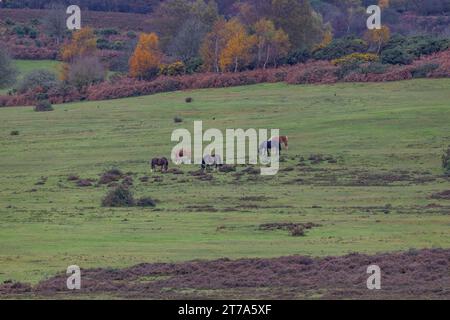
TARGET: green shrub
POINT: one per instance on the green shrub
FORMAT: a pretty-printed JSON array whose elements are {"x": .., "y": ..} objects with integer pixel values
[
  {"x": 14, "y": 133},
  {"x": 341, "y": 47},
  {"x": 418, "y": 45},
  {"x": 131, "y": 34},
  {"x": 38, "y": 78},
  {"x": 43, "y": 106},
  {"x": 297, "y": 231},
  {"x": 146, "y": 202},
  {"x": 193, "y": 65},
  {"x": 396, "y": 56},
  {"x": 107, "y": 32},
  {"x": 347, "y": 68},
  {"x": 298, "y": 56},
  {"x": 174, "y": 69},
  {"x": 121, "y": 196},
  {"x": 423, "y": 70},
  {"x": 446, "y": 160},
  {"x": 374, "y": 67}
]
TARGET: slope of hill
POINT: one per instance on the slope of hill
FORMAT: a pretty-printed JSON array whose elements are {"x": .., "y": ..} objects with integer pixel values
[{"x": 364, "y": 166}]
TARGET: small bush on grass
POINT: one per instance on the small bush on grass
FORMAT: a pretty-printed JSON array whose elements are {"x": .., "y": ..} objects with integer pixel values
[
  {"x": 121, "y": 196},
  {"x": 446, "y": 160},
  {"x": 111, "y": 176},
  {"x": 146, "y": 202},
  {"x": 177, "y": 119},
  {"x": 297, "y": 231},
  {"x": 14, "y": 133},
  {"x": 43, "y": 106},
  {"x": 189, "y": 100}
]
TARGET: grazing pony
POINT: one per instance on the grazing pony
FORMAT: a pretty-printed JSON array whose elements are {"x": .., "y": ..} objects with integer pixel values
[
  {"x": 266, "y": 147},
  {"x": 160, "y": 162},
  {"x": 210, "y": 161},
  {"x": 183, "y": 156}
]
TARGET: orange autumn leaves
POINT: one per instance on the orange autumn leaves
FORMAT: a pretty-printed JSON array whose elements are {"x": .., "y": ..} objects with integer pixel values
[
  {"x": 229, "y": 46},
  {"x": 147, "y": 57},
  {"x": 83, "y": 43}
]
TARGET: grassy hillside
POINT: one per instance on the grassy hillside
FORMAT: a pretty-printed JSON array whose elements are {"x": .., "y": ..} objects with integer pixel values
[
  {"x": 26, "y": 66},
  {"x": 387, "y": 139}
]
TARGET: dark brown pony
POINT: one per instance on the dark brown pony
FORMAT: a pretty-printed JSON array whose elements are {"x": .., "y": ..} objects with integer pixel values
[{"x": 160, "y": 162}]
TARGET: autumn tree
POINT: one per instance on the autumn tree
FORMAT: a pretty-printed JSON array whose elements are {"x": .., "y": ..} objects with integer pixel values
[
  {"x": 186, "y": 43},
  {"x": 237, "y": 51},
  {"x": 376, "y": 38},
  {"x": 212, "y": 46},
  {"x": 171, "y": 16},
  {"x": 297, "y": 18},
  {"x": 147, "y": 57},
  {"x": 271, "y": 43},
  {"x": 326, "y": 40},
  {"x": 83, "y": 43}
]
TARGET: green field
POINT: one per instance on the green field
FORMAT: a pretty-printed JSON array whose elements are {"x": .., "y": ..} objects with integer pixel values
[
  {"x": 387, "y": 138},
  {"x": 26, "y": 66}
]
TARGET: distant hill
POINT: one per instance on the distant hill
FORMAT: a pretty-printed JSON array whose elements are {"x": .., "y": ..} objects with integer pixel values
[{"x": 96, "y": 19}]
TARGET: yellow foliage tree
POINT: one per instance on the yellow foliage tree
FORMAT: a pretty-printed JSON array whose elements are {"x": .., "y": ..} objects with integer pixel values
[
  {"x": 272, "y": 43},
  {"x": 83, "y": 43},
  {"x": 212, "y": 46},
  {"x": 326, "y": 40},
  {"x": 378, "y": 37},
  {"x": 237, "y": 50},
  {"x": 146, "y": 58}
]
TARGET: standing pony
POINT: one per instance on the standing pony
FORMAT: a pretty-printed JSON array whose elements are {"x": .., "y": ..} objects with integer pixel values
[
  {"x": 160, "y": 162},
  {"x": 266, "y": 147},
  {"x": 211, "y": 160}
]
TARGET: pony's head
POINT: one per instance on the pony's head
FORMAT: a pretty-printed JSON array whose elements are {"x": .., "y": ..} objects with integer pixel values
[{"x": 285, "y": 140}]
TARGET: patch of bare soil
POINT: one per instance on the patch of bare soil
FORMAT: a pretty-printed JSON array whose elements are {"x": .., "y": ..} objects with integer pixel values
[
  {"x": 205, "y": 208},
  {"x": 287, "y": 226},
  {"x": 416, "y": 274},
  {"x": 441, "y": 195}
]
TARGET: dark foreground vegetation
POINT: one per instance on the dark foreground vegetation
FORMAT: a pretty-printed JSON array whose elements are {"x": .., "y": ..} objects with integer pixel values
[{"x": 415, "y": 274}]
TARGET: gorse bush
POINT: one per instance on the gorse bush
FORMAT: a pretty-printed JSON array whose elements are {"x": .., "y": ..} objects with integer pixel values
[
  {"x": 356, "y": 58},
  {"x": 42, "y": 79},
  {"x": 120, "y": 196},
  {"x": 43, "y": 106},
  {"x": 175, "y": 69},
  {"x": 341, "y": 47},
  {"x": 396, "y": 56},
  {"x": 422, "y": 71},
  {"x": 146, "y": 202}
]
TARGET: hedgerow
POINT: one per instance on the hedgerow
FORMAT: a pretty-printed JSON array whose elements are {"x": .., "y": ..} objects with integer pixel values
[{"x": 312, "y": 72}]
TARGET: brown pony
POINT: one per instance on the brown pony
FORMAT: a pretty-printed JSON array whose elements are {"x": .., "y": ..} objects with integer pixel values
[
  {"x": 160, "y": 162},
  {"x": 282, "y": 140}
]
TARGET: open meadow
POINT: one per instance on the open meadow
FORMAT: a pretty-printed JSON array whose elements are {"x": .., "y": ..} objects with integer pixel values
[{"x": 363, "y": 172}]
